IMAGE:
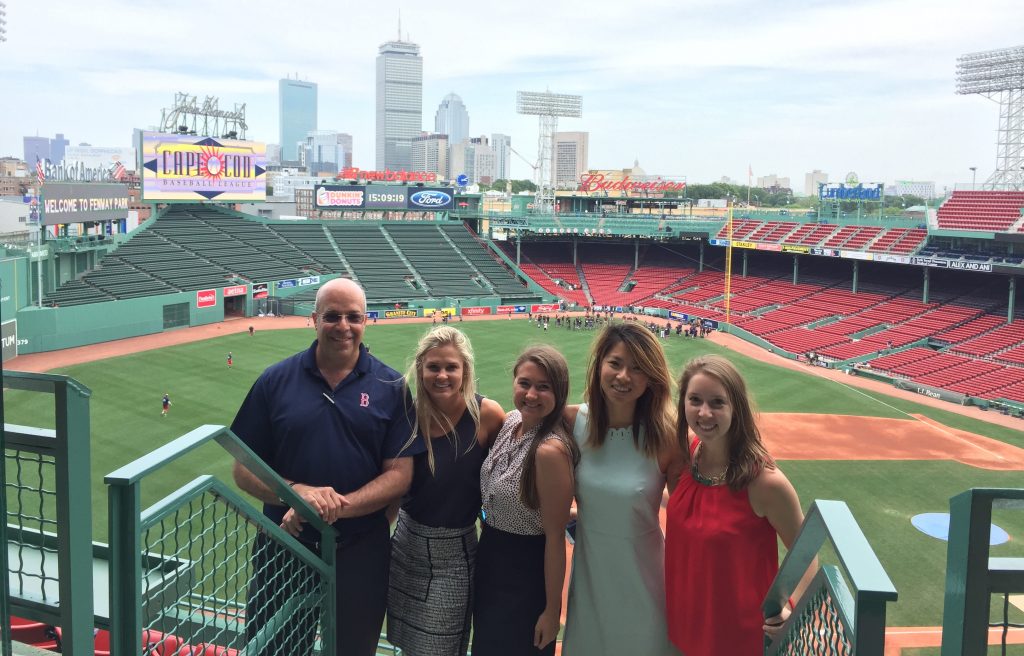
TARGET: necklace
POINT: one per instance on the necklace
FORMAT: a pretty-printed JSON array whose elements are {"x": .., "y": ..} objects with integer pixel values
[{"x": 710, "y": 480}]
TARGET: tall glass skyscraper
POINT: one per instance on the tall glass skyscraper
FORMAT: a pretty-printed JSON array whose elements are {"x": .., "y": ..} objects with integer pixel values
[
  {"x": 297, "y": 113},
  {"x": 399, "y": 103},
  {"x": 452, "y": 119}
]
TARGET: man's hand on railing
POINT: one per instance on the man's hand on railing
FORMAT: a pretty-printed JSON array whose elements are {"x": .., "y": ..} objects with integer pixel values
[
  {"x": 324, "y": 500},
  {"x": 773, "y": 625}
]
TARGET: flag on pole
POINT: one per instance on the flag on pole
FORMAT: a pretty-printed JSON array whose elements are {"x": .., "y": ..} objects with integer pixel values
[
  {"x": 40, "y": 173},
  {"x": 750, "y": 172}
]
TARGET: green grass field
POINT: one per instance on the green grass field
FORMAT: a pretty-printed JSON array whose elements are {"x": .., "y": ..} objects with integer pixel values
[{"x": 126, "y": 423}]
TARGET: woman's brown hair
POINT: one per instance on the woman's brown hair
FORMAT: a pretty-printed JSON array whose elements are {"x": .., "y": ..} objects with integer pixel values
[
  {"x": 557, "y": 371},
  {"x": 748, "y": 456}
]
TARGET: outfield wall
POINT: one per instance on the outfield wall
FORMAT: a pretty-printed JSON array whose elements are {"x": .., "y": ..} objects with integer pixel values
[{"x": 50, "y": 329}]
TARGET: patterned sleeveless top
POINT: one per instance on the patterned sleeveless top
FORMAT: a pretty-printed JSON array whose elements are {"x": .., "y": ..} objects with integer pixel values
[{"x": 500, "y": 477}]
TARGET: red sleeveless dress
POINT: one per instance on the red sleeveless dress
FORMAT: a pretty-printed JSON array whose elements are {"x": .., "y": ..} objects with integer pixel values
[{"x": 720, "y": 560}]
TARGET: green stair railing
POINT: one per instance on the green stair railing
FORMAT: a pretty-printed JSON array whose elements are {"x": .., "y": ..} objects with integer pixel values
[
  {"x": 972, "y": 576},
  {"x": 842, "y": 611},
  {"x": 48, "y": 526},
  {"x": 184, "y": 570}
]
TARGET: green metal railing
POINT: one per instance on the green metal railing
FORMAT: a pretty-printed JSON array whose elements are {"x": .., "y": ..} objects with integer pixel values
[
  {"x": 185, "y": 571},
  {"x": 842, "y": 611},
  {"x": 972, "y": 577},
  {"x": 49, "y": 513}
]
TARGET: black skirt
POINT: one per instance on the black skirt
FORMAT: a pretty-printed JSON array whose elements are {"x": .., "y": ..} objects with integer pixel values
[{"x": 509, "y": 594}]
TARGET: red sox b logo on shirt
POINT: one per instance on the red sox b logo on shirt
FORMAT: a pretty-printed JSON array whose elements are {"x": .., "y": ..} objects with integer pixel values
[{"x": 364, "y": 400}]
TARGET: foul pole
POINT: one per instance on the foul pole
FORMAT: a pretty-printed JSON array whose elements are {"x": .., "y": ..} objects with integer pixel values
[{"x": 728, "y": 263}]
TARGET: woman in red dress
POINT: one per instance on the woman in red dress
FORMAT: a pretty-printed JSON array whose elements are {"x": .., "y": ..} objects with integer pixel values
[{"x": 724, "y": 518}]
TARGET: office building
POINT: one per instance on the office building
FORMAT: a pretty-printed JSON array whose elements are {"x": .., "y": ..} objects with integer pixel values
[
  {"x": 345, "y": 140},
  {"x": 812, "y": 180},
  {"x": 773, "y": 181},
  {"x": 474, "y": 158},
  {"x": 324, "y": 152},
  {"x": 399, "y": 103},
  {"x": 570, "y": 150},
  {"x": 452, "y": 119},
  {"x": 273, "y": 154},
  {"x": 36, "y": 149},
  {"x": 501, "y": 144},
  {"x": 430, "y": 154},
  {"x": 57, "y": 147},
  {"x": 297, "y": 107},
  {"x": 920, "y": 188}
]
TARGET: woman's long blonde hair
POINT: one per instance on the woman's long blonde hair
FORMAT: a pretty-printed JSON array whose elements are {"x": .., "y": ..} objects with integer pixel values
[{"x": 427, "y": 413}]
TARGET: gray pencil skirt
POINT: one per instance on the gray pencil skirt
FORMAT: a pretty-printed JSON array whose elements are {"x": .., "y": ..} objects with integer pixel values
[{"x": 430, "y": 594}]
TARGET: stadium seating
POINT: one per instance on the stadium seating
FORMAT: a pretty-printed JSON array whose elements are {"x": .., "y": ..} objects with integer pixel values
[
  {"x": 191, "y": 247},
  {"x": 1002, "y": 338},
  {"x": 480, "y": 257},
  {"x": 988, "y": 211},
  {"x": 436, "y": 261}
]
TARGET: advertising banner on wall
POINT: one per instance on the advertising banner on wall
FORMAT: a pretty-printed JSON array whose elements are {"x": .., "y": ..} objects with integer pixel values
[
  {"x": 943, "y": 263},
  {"x": 235, "y": 290},
  {"x": 846, "y": 191},
  {"x": 83, "y": 202},
  {"x": 476, "y": 311},
  {"x": 439, "y": 198},
  {"x": 206, "y": 298},
  {"x": 260, "y": 290},
  {"x": 189, "y": 168},
  {"x": 339, "y": 197},
  {"x": 514, "y": 309},
  {"x": 382, "y": 197},
  {"x": 400, "y": 314},
  {"x": 545, "y": 307},
  {"x": 9, "y": 339}
]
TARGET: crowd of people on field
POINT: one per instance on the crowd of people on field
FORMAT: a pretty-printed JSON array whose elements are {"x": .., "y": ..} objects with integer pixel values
[{"x": 430, "y": 455}]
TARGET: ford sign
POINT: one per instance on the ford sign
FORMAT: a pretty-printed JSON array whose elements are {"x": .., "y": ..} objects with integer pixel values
[{"x": 432, "y": 199}]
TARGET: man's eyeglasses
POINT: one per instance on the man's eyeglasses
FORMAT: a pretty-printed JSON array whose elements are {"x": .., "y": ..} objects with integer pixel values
[{"x": 350, "y": 317}]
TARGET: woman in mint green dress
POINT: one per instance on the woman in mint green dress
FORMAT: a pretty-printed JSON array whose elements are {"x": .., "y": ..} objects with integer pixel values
[{"x": 629, "y": 455}]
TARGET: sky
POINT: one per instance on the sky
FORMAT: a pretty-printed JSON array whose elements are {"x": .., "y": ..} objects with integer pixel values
[{"x": 690, "y": 88}]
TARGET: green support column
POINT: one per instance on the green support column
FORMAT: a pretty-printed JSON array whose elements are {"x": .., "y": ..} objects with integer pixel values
[
  {"x": 1010, "y": 303},
  {"x": 636, "y": 255},
  {"x": 856, "y": 274},
  {"x": 745, "y": 254},
  {"x": 700, "y": 262},
  {"x": 927, "y": 281},
  {"x": 575, "y": 239},
  {"x": 796, "y": 269},
  {"x": 519, "y": 244}
]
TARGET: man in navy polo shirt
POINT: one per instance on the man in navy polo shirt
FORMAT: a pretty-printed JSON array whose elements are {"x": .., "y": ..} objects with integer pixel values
[{"x": 334, "y": 422}]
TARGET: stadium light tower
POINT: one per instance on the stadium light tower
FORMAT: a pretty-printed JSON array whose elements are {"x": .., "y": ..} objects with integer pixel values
[
  {"x": 999, "y": 75},
  {"x": 3, "y": 22},
  {"x": 548, "y": 107}
]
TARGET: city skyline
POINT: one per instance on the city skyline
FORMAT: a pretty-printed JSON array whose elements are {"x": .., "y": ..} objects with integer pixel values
[{"x": 709, "y": 90}]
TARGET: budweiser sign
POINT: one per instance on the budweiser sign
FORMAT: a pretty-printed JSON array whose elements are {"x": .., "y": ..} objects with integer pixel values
[
  {"x": 387, "y": 175},
  {"x": 599, "y": 182}
]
